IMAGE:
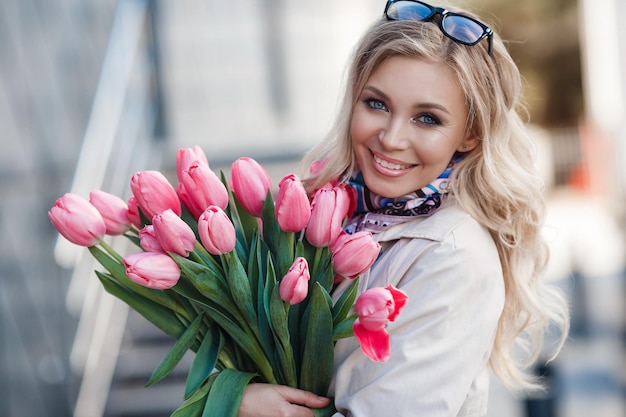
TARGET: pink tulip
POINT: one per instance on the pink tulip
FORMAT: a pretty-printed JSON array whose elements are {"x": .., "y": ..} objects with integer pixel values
[
  {"x": 354, "y": 254},
  {"x": 200, "y": 188},
  {"x": 375, "y": 308},
  {"x": 154, "y": 193},
  {"x": 77, "y": 220},
  {"x": 294, "y": 286},
  {"x": 217, "y": 232},
  {"x": 173, "y": 233},
  {"x": 250, "y": 183},
  {"x": 148, "y": 240},
  {"x": 133, "y": 212},
  {"x": 152, "y": 269},
  {"x": 329, "y": 208},
  {"x": 114, "y": 211},
  {"x": 292, "y": 208},
  {"x": 187, "y": 156}
]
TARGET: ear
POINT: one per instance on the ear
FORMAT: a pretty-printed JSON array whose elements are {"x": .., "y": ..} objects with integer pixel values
[{"x": 468, "y": 144}]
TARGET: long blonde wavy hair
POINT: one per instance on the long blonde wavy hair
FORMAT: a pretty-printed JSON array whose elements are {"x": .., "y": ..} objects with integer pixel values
[{"x": 496, "y": 182}]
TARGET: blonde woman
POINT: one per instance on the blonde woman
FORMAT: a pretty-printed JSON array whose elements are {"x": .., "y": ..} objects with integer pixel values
[{"x": 430, "y": 139}]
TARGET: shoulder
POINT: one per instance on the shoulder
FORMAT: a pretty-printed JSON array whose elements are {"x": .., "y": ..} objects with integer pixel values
[
  {"x": 446, "y": 243},
  {"x": 450, "y": 228},
  {"x": 437, "y": 227}
]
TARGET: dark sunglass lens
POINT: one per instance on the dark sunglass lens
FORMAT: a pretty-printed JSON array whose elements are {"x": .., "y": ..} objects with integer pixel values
[
  {"x": 408, "y": 10},
  {"x": 462, "y": 28}
]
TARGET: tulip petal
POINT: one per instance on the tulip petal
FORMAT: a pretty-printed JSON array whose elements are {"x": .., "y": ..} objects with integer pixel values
[
  {"x": 250, "y": 182},
  {"x": 77, "y": 220},
  {"x": 152, "y": 269},
  {"x": 374, "y": 344},
  {"x": 114, "y": 211},
  {"x": 216, "y": 230},
  {"x": 400, "y": 298}
]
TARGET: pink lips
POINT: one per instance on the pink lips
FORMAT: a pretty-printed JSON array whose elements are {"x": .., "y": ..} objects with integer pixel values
[{"x": 389, "y": 167}]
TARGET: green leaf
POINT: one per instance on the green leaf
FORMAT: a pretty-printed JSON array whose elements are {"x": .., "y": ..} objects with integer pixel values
[
  {"x": 323, "y": 271},
  {"x": 202, "y": 257},
  {"x": 295, "y": 331},
  {"x": 194, "y": 406},
  {"x": 162, "y": 318},
  {"x": 254, "y": 269},
  {"x": 177, "y": 351},
  {"x": 207, "y": 282},
  {"x": 205, "y": 360},
  {"x": 248, "y": 343},
  {"x": 343, "y": 329},
  {"x": 318, "y": 355},
  {"x": 225, "y": 396},
  {"x": 280, "y": 243},
  {"x": 191, "y": 294},
  {"x": 345, "y": 302},
  {"x": 133, "y": 238},
  {"x": 265, "y": 331},
  {"x": 241, "y": 292},
  {"x": 280, "y": 327}
]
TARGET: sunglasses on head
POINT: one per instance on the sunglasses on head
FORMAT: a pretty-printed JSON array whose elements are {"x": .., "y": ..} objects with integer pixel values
[{"x": 458, "y": 27}]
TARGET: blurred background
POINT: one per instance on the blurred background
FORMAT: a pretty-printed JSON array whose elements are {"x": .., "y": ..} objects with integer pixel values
[{"x": 91, "y": 92}]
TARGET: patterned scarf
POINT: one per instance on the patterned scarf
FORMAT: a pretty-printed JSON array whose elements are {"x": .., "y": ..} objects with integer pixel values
[{"x": 375, "y": 213}]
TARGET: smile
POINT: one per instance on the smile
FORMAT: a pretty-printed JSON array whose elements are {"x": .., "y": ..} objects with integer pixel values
[{"x": 391, "y": 165}]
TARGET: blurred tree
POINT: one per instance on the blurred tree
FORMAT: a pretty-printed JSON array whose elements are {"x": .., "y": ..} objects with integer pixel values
[{"x": 543, "y": 39}]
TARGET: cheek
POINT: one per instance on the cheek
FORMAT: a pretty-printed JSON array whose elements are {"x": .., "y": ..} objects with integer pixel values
[{"x": 361, "y": 127}]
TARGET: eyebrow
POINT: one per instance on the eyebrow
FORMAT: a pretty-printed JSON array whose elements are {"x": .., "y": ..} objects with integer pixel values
[{"x": 417, "y": 106}]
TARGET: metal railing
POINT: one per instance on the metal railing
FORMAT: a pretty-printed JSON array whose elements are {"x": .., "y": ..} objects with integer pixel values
[{"x": 119, "y": 140}]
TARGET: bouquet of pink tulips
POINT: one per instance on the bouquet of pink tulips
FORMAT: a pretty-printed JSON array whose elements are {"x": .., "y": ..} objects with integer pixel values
[{"x": 244, "y": 280}]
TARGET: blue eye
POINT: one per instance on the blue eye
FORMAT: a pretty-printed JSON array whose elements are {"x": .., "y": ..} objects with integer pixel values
[
  {"x": 375, "y": 104},
  {"x": 428, "y": 119}
]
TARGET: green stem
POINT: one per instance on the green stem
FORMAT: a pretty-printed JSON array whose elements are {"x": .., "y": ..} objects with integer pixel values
[
  {"x": 112, "y": 252},
  {"x": 316, "y": 261},
  {"x": 225, "y": 259}
]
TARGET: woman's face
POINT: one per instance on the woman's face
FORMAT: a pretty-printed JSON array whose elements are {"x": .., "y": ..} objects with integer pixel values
[{"x": 408, "y": 122}]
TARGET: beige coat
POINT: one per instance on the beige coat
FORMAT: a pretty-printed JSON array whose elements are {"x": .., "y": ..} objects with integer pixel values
[{"x": 441, "y": 342}]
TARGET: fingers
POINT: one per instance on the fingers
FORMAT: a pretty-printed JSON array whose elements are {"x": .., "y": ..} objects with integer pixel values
[
  {"x": 267, "y": 400},
  {"x": 297, "y": 396}
]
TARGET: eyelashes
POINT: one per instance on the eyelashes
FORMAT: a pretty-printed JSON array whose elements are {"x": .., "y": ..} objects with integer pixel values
[
  {"x": 425, "y": 118},
  {"x": 375, "y": 104}
]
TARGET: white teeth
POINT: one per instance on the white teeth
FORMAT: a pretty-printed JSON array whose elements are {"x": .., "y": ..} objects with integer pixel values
[{"x": 390, "y": 165}]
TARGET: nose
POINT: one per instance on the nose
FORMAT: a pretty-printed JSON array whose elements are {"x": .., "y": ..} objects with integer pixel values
[{"x": 395, "y": 136}]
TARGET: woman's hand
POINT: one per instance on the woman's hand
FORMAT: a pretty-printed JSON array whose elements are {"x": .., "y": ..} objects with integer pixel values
[{"x": 267, "y": 400}]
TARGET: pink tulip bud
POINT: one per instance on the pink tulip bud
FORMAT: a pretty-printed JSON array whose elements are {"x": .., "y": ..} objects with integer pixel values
[
  {"x": 149, "y": 241},
  {"x": 154, "y": 193},
  {"x": 174, "y": 234},
  {"x": 186, "y": 156},
  {"x": 375, "y": 308},
  {"x": 114, "y": 211},
  {"x": 200, "y": 188},
  {"x": 152, "y": 269},
  {"x": 329, "y": 208},
  {"x": 133, "y": 211},
  {"x": 250, "y": 183},
  {"x": 354, "y": 254},
  {"x": 294, "y": 286},
  {"x": 217, "y": 232},
  {"x": 77, "y": 220},
  {"x": 292, "y": 208}
]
